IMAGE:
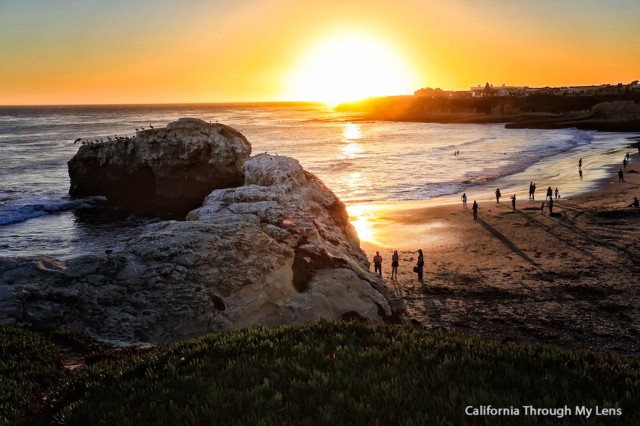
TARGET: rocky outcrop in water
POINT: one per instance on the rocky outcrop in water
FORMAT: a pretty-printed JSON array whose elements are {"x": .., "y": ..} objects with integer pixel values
[
  {"x": 169, "y": 169},
  {"x": 279, "y": 249}
]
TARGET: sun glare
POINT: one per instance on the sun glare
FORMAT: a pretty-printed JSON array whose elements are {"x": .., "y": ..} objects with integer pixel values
[{"x": 349, "y": 67}]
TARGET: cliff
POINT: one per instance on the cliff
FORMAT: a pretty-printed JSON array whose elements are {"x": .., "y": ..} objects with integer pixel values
[
  {"x": 607, "y": 113},
  {"x": 279, "y": 249}
]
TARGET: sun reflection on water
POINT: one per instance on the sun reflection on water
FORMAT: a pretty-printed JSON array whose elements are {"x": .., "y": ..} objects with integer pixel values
[
  {"x": 350, "y": 135},
  {"x": 363, "y": 218},
  {"x": 351, "y": 131}
]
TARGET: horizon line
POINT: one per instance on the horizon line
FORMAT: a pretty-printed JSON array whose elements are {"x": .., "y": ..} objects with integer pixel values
[{"x": 279, "y": 102}]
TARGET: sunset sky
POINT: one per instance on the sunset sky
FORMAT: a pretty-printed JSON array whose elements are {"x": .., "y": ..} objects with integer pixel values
[{"x": 158, "y": 51}]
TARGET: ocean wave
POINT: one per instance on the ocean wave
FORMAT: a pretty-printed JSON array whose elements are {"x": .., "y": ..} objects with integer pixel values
[
  {"x": 468, "y": 144},
  {"x": 15, "y": 213}
]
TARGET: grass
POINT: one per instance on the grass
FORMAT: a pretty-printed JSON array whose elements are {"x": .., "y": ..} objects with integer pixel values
[
  {"x": 28, "y": 365},
  {"x": 343, "y": 373}
]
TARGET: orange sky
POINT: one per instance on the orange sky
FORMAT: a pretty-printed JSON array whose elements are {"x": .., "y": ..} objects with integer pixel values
[{"x": 91, "y": 51}]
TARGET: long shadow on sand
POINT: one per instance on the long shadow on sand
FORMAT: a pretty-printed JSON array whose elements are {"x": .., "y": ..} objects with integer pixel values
[
  {"x": 507, "y": 242},
  {"x": 572, "y": 228}
]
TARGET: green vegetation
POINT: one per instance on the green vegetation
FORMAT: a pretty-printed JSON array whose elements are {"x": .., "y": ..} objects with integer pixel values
[
  {"x": 341, "y": 373},
  {"x": 28, "y": 365}
]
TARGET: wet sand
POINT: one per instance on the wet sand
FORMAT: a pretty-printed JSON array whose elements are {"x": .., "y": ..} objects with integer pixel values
[{"x": 569, "y": 280}]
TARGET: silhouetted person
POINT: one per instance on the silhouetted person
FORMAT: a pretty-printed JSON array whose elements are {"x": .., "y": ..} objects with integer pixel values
[
  {"x": 420, "y": 265},
  {"x": 620, "y": 176},
  {"x": 513, "y": 202},
  {"x": 624, "y": 163},
  {"x": 530, "y": 191},
  {"x": 580, "y": 171},
  {"x": 627, "y": 157},
  {"x": 475, "y": 210},
  {"x": 533, "y": 191},
  {"x": 542, "y": 208},
  {"x": 464, "y": 200},
  {"x": 557, "y": 193},
  {"x": 377, "y": 263},
  {"x": 498, "y": 195},
  {"x": 580, "y": 163},
  {"x": 634, "y": 203},
  {"x": 550, "y": 206},
  {"x": 395, "y": 261},
  {"x": 549, "y": 193}
]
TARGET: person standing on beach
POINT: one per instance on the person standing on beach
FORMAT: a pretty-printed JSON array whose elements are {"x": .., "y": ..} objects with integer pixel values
[
  {"x": 475, "y": 210},
  {"x": 533, "y": 191},
  {"x": 530, "y": 190},
  {"x": 627, "y": 157},
  {"x": 420, "y": 265},
  {"x": 377, "y": 263},
  {"x": 549, "y": 193},
  {"x": 395, "y": 261},
  {"x": 498, "y": 195},
  {"x": 580, "y": 163},
  {"x": 557, "y": 193},
  {"x": 620, "y": 176},
  {"x": 513, "y": 202},
  {"x": 464, "y": 200}
]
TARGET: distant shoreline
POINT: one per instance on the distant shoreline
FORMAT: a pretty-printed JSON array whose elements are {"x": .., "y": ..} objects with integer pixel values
[{"x": 603, "y": 113}]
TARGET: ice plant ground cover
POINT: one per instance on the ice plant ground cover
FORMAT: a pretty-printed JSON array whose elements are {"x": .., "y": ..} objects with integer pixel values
[{"x": 317, "y": 373}]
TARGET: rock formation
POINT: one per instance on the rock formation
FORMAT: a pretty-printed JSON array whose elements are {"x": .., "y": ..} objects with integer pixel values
[
  {"x": 618, "y": 116},
  {"x": 279, "y": 249},
  {"x": 168, "y": 169}
]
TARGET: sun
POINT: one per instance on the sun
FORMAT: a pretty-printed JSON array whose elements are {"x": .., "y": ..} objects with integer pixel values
[{"x": 348, "y": 67}]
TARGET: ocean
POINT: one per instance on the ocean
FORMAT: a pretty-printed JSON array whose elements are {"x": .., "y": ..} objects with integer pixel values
[{"x": 363, "y": 162}]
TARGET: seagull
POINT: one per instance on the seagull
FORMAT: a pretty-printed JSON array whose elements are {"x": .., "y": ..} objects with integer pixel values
[
  {"x": 150, "y": 126},
  {"x": 77, "y": 140}
]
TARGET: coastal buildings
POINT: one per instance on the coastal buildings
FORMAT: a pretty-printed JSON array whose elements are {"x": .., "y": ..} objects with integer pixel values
[{"x": 489, "y": 90}]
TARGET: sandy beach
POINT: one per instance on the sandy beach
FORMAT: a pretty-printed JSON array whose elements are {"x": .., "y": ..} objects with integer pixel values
[{"x": 568, "y": 280}]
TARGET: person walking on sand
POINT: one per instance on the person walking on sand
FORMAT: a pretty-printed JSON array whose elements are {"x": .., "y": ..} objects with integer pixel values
[
  {"x": 395, "y": 261},
  {"x": 513, "y": 202},
  {"x": 557, "y": 193},
  {"x": 498, "y": 195},
  {"x": 475, "y": 210},
  {"x": 377, "y": 263},
  {"x": 620, "y": 176},
  {"x": 549, "y": 193},
  {"x": 420, "y": 265},
  {"x": 464, "y": 200}
]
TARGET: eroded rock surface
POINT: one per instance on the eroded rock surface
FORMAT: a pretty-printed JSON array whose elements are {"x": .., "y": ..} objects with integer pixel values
[
  {"x": 279, "y": 249},
  {"x": 168, "y": 169}
]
